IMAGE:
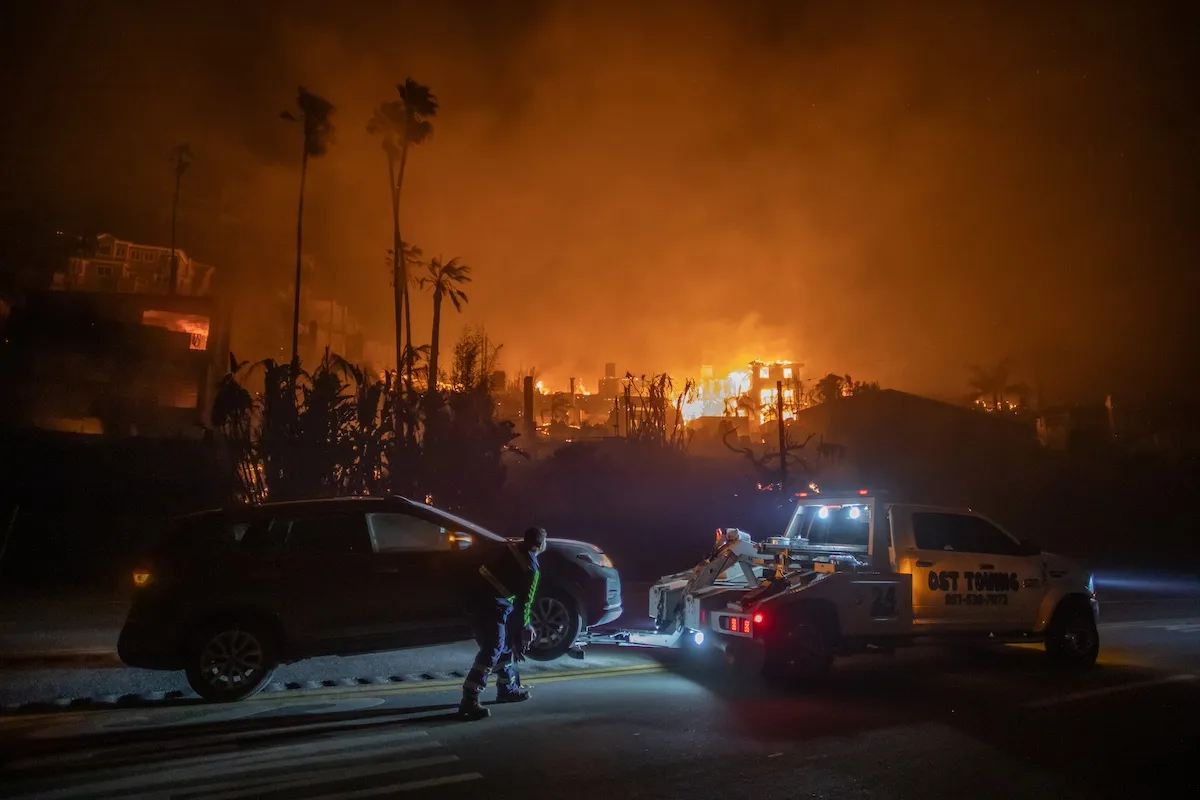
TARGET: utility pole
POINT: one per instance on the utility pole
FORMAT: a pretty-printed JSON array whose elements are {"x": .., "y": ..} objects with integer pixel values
[
  {"x": 181, "y": 157},
  {"x": 782, "y": 435},
  {"x": 530, "y": 425}
]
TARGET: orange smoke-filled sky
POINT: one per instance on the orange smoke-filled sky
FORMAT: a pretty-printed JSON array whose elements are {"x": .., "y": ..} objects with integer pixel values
[{"x": 896, "y": 191}]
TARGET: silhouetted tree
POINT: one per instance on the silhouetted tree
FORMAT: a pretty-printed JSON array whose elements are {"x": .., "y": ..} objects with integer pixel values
[
  {"x": 313, "y": 113},
  {"x": 181, "y": 158},
  {"x": 445, "y": 280},
  {"x": 401, "y": 123},
  {"x": 829, "y": 388},
  {"x": 994, "y": 382}
]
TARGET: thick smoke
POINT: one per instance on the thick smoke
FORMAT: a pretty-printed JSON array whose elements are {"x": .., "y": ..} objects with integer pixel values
[{"x": 890, "y": 193}]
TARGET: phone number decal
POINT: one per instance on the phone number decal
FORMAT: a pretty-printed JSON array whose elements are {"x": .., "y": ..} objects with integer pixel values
[{"x": 976, "y": 599}]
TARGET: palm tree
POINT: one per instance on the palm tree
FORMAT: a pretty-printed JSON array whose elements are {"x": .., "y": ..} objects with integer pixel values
[
  {"x": 314, "y": 114},
  {"x": 401, "y": 123},
  {"x": 181, "y": 157},
  {"x": 446, "y": 281},
  {"x": 994, "y": 382}
]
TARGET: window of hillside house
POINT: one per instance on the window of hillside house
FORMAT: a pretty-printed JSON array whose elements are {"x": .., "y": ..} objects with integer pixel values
[
  {"x": 104, "y": 271},
  {"x": 764, "y": 372},
  {"x": 196, "y": 325},
  {"x": 183, "y": 395},
  {"x": 121, "y": 251}
]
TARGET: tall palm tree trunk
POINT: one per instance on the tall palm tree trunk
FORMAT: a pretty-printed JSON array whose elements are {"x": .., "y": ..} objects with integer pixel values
[
  {"x": 174, "y": 253},
  {"x": 402, "y": 273},
  {"x": 299, "y": 246},
  {"x": 397, "y": 254},
  {"x": 433, "y": 344}
]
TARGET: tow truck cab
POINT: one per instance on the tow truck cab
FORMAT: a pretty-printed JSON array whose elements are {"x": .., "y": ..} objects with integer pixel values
[{"x": 857, "y": 572}]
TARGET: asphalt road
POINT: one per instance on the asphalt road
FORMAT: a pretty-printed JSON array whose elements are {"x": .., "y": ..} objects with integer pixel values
[{"x": 925, "y": 723}]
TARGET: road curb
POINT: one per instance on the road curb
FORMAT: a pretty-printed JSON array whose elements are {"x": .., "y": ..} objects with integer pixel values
[{"x": 543, "y": 672}]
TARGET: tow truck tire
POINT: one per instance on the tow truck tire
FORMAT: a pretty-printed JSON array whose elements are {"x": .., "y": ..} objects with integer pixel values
[
  {"x": 803, "y": 651},
  {"x": 230, "y": 659},
  {"x": 1071, "y": 637},
  {"x": 558, "y": 622}
]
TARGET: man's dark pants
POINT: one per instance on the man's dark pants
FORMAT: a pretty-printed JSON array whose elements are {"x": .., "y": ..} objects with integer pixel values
[{"x": 494, "y": 631}]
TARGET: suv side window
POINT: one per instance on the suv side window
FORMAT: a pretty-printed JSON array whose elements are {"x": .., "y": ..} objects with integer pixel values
[
  {"x": 328, "y": 534},
  {"x": 400, "y": 533},
  {"x": 962, "y": 533}
]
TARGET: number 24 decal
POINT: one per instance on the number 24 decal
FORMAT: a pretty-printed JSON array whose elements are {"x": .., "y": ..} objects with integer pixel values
[{"x": 883, "y": 602}]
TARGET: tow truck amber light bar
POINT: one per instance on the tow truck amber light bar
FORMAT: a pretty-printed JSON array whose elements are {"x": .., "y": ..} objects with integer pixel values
[
  {"x": 861, "y": 493},
  {"x": 141, "y": 577}
]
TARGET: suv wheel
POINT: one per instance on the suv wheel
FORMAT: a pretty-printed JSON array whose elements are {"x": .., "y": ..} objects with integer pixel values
[
  {"x": 557, "y": 623},
  {"x": 230, "y": 661},
  {"x": 1071, "y": 636}
]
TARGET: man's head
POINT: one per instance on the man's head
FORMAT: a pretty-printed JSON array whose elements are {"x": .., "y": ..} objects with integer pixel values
[{"x": 535, "y": 540}]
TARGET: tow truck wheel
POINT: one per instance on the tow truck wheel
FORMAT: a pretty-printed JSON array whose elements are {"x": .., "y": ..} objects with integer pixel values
[
  {"x": 1071, "y": 637},
  {"x": 557, "y": 623},
  {"x": 803, "y": 651}
]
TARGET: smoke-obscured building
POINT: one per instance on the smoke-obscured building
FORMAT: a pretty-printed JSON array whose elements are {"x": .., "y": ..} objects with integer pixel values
[
  {"x": 109, "y": 264},
  {"x": 124, "y": 364}
]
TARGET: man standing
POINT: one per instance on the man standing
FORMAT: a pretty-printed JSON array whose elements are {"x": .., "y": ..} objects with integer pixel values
[{"x": 504, "y": 588}]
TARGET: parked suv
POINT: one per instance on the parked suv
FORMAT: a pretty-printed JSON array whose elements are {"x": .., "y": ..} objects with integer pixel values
[{"x": 230, "y": 594}]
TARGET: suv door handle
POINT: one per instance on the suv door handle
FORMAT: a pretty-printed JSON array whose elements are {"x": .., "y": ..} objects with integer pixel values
[
  {"x": 987, "y": 566},
  {"x": 924, "y": 563}
]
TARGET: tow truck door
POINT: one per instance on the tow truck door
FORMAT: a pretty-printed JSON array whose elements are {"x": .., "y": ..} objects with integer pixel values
[
  {"x": 936, "y": 567},
  {"x": 968, "y": 573}
]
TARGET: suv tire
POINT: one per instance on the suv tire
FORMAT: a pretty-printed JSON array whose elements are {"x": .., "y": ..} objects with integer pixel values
[
  {"x": 557, "y": 620},
  {"x": 230, "y": 659}
]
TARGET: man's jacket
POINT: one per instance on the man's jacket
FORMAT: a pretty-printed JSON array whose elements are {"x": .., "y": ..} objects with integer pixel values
[{"x": 512, "y": 574}]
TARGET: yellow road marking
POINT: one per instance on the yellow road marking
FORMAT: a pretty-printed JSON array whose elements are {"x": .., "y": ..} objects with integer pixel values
[{"x": 387, "y": 690}]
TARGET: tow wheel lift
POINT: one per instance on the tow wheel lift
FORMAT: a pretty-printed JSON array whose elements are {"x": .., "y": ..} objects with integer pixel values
[{"x": 706, "y": 586}]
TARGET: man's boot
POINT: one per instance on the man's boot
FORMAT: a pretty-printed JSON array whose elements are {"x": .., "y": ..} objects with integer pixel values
[
  {"x": 512, "y": 693},
  {"x": 470, "y": 710}
]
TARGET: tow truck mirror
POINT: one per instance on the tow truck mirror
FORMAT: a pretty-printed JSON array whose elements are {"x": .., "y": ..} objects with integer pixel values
[{"x": 1030, "y": 548}]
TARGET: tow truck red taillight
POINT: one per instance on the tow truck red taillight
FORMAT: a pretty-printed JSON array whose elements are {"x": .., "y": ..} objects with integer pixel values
[
  {"x": 758, "y": 618},
  {"x": 738, "y": 625}
]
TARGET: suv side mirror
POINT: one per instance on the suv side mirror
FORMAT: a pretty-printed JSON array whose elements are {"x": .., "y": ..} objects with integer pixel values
[
  {"x": 1030, "y": 547},
  {"x": 459, "y": 540}
]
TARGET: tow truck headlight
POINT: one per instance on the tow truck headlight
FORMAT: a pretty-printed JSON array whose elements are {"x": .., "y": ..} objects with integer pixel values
[
  {"x": 1091, "y": 585},
  {"x": 699, "y": 637}
]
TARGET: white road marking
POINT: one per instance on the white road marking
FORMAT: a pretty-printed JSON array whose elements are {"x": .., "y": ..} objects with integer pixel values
[
  {"x": 403, "y": 787},
  {"x": 238, "y": 769},
  {"x": 235, "y": 750},
  {"x": 1107, "y": 690},
  {"x": 254, "y": 788},
  {"x": 1181, "y": 625}
]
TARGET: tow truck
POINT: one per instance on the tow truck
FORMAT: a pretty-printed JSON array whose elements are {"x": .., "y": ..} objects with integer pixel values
[{"x": 856, "y": 573}]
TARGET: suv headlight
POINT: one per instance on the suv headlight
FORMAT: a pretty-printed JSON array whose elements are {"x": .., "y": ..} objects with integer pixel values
[
  {"x": 1091, "y": 585},
  {"x": 597, "y": 558}
]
